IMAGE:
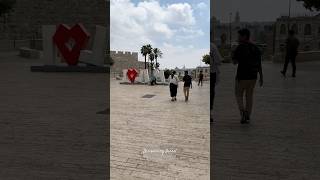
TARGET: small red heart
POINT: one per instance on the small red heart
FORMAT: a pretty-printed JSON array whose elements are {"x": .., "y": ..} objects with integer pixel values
[
  {"x": 132, "y": 74},
  {"x": 70, "y": 41}
]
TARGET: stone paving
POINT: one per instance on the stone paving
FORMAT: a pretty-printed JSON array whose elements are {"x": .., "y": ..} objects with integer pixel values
[
  {"x": 49, "y": 126},
  {"x": 142, "y": 125},
  {"x": 282, "y": 141}
]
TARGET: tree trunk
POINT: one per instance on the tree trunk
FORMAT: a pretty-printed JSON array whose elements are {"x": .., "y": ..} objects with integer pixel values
[
  {"x": 156, "y": 64},
  {"x": 145, "y": 62}
]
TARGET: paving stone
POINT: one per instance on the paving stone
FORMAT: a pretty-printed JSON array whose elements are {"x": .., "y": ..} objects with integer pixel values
[
  {"x": 282, "y": 141},
  {"x": 157, "y": 123},
  {"x": 49, "y": 128}
]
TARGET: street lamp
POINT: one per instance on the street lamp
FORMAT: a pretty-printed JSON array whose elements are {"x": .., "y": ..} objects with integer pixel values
[
  {"x": 289, "y": 16},
  {"x": 230, "y": 29}
]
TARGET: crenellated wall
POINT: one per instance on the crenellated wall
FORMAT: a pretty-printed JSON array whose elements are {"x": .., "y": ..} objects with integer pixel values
[
  {"x": 29, "y": 15},
  {"x": 124, "y": 60}
]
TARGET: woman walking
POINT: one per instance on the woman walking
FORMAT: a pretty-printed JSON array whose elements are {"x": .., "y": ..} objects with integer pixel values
[{"x": 174, "y": 81}]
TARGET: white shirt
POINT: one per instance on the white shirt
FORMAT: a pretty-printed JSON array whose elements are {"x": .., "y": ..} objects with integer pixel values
[{"x": 174, "y": 80}]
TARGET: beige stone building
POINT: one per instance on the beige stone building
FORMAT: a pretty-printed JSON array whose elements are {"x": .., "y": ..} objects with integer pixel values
[
  {"x": 124, "y": 60},
  {"x": 307, "y": 29}
]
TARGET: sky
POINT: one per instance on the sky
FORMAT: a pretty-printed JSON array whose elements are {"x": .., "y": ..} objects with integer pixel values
[
  {"x": 256, "y": 10},
  {"x": 179, "y": 28}
]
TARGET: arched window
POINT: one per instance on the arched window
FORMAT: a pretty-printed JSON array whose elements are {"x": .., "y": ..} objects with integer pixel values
[
  {"x": 295, "y": 28},
  {"x": 307, "y": 29},
  {"x": 283, "y": 29}
]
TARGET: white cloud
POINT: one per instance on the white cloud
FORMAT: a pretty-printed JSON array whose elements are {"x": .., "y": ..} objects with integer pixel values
[
  {"x": 133, "y": 25},
  {"x": 202, "y": 6},
  {"x": 179, "y": 56}
]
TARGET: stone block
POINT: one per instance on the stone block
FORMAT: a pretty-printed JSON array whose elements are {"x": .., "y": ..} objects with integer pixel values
[{"x": 29, "y": 53}]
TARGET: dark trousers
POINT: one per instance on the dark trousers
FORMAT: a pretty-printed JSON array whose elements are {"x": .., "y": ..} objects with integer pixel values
[
  {"x": 213, "y": 80},
  {"x": 200, "y": 82},
  {"x": 290, "y": 58},
  {"x": 173, "y": 90}
]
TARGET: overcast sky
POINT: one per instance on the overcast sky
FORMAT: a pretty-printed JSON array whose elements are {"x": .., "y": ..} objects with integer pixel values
[
  {"x": 256, "y": 10},
  {"x": 180, "y": 28}
]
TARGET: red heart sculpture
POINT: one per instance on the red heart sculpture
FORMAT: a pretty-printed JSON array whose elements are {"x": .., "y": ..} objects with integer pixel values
[
  {"x": 65, "y": 35},
  {"x": 132, "y": 74}
]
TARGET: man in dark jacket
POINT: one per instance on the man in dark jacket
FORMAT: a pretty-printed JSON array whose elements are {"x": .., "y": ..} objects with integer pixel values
[
  {"x": 248, "y": 57},
  {"x": 292, "y": 45}
]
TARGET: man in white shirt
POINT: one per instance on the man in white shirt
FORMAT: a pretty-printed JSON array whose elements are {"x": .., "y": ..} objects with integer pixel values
[{"x": 215, "y": 61}]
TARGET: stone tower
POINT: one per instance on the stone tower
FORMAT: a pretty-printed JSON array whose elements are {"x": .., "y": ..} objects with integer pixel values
[{"x": 29, "y": 15}]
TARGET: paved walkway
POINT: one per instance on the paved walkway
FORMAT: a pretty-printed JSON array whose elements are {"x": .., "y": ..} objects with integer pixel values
[
  {"x": 141, "y": 125},
  {"x": 282, "y": 142},
  {"x": 49, "y": 128}
]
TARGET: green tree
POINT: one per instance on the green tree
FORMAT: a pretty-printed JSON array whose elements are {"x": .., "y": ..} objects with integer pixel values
[
  {"x": 145, "y": 50},
  {"x": 157, "y": 54},
  {"x": 167, "y": 73},
  {"x": 206, "y": 59},
  {"x": 313, "y": 5}
]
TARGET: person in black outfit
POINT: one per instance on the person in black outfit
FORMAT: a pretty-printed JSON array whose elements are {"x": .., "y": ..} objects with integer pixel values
[
  {"x": 200, "y": 78},
  {"x": 292, "y": 45},
  {"x": 174, "y": 81},
  {"x": 187, "y": 85},
  {"x": 248, "y": 57}
]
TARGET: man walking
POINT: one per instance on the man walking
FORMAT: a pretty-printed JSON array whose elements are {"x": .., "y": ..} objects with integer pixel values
[
  {"x": 187, "y": 85},
  {"x": 248, "y": 57},
  {"x": 200, "y": 78},
  {"x": 292, "y": 45}
]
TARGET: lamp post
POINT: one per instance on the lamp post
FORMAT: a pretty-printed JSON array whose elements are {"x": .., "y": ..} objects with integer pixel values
[
  {"x": 289, "y": 16},
  {"x": 230, "y": 30}
]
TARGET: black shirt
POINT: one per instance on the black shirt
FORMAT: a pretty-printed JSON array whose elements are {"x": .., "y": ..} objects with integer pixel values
[
  {"x": 248, "y": 57},
  {"x": 187, "y": 80},
  {"x": 201, "y": 76},
  {"x": 292, "y": 45}
]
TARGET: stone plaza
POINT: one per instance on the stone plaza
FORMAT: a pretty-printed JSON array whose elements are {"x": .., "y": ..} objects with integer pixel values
[
  {"x": 50, "y": 125},
  {"x": 282, "y": 141},
  {"x": 154, "y": 138}
]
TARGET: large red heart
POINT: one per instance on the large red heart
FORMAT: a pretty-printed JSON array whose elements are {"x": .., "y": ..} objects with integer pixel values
[
  {"x": 132, "y": 74},
  {"x": 70, "y": 42}
]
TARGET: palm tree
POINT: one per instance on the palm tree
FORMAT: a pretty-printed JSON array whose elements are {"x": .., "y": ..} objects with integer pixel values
[
  {"x": 151, "y": 58},
  {"x": 145, "y": 50},
  {"x": 157, "y": 54},
  {"x": 152, "y": 77}
]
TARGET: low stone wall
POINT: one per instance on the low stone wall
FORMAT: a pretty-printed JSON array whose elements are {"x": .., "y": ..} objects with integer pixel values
[
  {"x": 11, "y": 45},
  {"x": 29, "y": 53}
]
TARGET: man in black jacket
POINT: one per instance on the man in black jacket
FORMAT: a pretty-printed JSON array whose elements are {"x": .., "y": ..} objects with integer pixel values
[
  {"x": 248, "y": 57},
  {"x": 292, "y": 45}
]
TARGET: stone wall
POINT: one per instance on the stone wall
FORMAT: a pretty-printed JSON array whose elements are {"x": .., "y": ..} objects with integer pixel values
[
  {"x": 28, "y": 16},
  {"x": 124, "y": 60}
]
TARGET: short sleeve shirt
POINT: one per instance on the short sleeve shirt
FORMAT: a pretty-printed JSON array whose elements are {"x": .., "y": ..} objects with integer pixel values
[{"x": 187, "y": 81}]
